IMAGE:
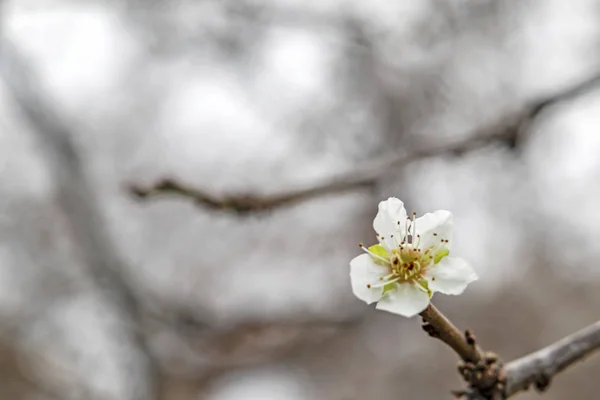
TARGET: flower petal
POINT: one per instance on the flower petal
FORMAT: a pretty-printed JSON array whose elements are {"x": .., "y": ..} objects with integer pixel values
[
  {"x": 407, "y": 300},
  {"x": 439, "y": 222},
  {"x": 391, "y": 211},
  {"x": 363, "y": 272},
  {"x": 450, "y": 276}
]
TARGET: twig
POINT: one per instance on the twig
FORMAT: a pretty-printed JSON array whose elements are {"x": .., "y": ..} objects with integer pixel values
[
  {"x": 368, "y": 175},
  {"x": 481, "y": 370},
  {"x": 241, "y": 204},
  {"x": 443, "y": 329},
  {"x": 74, "y": 194},
  {"x": 365, "y": 177},
  {"x": 540, "y": 367}
]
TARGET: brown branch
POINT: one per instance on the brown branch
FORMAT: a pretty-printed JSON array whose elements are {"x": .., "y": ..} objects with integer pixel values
[
  {"x": 368, "y": 175},
  {"x": 481, "y": 370},
  {"x": 365, "y": 177},
  {"x": 243, "y": 203},
  {"x": 440, "y": 327},
  {"x": 540, "y": 367}
]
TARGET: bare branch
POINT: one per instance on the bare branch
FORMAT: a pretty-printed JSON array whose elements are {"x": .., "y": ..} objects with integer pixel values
[
  {"x": 540, "y": 367},
  {"x": 481, "y": 370},
  {"x": 440, "y": 327},
  {"x": 365, "y": 177},
  {"x": 243, "y": 203},
  {"x": 368, "y": 175},
  {"x": 74, "y": 194}
]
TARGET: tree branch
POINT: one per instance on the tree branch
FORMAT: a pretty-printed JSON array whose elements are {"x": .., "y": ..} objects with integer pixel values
[
  {"x": 368, "y": 175},
  {"x": 540, "y": 367},
  {"x": 440, "y": 327},
  {"x": 74, "y": 194},
  {"x": 481, "y": 370}
]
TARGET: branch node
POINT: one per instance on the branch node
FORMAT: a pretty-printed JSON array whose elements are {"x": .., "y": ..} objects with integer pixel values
[
  {"x": 470, "y": 338},
  {"x": 430, "y": 329},
  {"x": 459, "y": 394},
  {"x": 542, "y": 382}
]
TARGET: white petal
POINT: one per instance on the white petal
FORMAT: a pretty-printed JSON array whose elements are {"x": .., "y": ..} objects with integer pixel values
[
  {"x": 407, "y": 300},
  {"x": 391, "y": 211},
  {"x": 363, "y": 272},
  {"x": 450, "y": 276},
  {"x": 440, "y": 222}
]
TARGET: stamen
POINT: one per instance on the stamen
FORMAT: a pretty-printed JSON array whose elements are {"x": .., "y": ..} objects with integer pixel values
[
  {"x": 382, "y": 284},
  {"x": 362, "y": 246},
  {"x": 395, "y": 243},
  {"x": 414, "y": 226}
]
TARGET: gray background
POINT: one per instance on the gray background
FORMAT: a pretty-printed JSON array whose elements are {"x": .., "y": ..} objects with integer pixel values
[{"x": 106, "y": 297}]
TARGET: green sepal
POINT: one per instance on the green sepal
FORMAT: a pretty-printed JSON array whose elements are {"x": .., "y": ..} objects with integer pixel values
[
  {"x": 440, "y": 254},
  {"x": 380, "y": 251},
  {"x": 425, "y": 285},
  {"x": 389, "y": 287}
]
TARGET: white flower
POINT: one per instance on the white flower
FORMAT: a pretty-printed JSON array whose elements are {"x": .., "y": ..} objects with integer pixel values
[{"x": 410, "y": 263}]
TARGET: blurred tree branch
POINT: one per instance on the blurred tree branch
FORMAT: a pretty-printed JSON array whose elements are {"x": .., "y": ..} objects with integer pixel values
[
  {"x": 368, "y": 175},
  {"x": 74, "y": 194}
]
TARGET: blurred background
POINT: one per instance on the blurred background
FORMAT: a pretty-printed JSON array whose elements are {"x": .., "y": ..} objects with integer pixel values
[{"x": 105, "y": 296}]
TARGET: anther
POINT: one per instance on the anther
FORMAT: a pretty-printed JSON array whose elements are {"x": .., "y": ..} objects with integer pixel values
[
  {"x": 361, "y": 245},
  {"x": 434, "y": 234},
  {"x": 368, "y": 286}
]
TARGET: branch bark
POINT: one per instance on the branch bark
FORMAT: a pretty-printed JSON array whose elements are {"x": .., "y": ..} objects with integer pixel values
[
  {"x": 540, "y": 367},
  {"x": 368, "y": 175},
  {"x": 442, "y": 328}
]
